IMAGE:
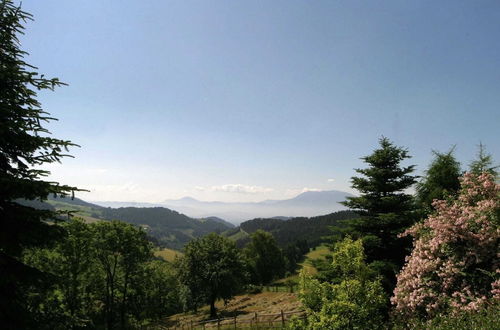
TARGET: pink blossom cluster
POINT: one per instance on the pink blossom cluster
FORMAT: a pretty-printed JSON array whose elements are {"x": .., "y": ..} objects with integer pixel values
[{"x": 455, "y": 261}]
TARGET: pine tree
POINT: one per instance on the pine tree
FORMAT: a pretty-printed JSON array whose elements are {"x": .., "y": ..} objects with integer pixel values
[
  {"x": 441, "y": 180},
  {"x": 25, "y": 145},
  {"x": 385, "y": 208},
  {"x": 483, "y": 163}
]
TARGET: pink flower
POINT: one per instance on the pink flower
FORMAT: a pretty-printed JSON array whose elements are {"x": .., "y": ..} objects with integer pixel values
[{"x": 455, "y": 245}]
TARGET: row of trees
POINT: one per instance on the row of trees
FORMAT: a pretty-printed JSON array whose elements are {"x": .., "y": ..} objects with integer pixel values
[
  {"x": 449, "y": 267},
  {"x": 100, "y": 275}
]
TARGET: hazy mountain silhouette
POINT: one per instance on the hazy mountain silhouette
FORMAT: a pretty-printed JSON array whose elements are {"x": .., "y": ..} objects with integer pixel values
[{"x": 307, "y": 204}]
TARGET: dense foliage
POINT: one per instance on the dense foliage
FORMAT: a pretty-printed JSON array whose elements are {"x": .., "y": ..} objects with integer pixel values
[
  {"x": 265, "y": 258},
  {"x": 25, "y": 145},
  {"x": 212, "y": 268},
  {"x": 385, "y": 207},
  {"x": 483, "y": 163},
  {"x": 351, "y": 299},
  {"x": 169, "y": 228},
  {"x": 103, "y": 275},
  {"x": 454, "y": 264},
  {"x": 314, "y": 230},
  {"x": 441, "y": 180}
]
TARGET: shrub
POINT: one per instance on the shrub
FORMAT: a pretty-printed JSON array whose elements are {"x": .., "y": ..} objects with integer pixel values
[
  {"x": 348, "y": 301},
  {"x": 454, "y": 264}
]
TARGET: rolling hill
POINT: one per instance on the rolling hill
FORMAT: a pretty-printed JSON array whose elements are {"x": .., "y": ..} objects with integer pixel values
[
  {"x": 165, "y": 227},
  {"x": 313, "y": 229}
]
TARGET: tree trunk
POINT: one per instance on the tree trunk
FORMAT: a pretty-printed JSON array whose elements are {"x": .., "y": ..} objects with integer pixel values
[{"x": 213, "y": 311}]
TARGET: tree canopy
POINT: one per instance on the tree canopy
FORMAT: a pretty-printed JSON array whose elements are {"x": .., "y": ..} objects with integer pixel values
[
  {"x": 351, "y": 299},
  {"x": 212, "y": 268},
  {"x": 264, "y": 257},
  {"x": 25, "y": 145},
  {"x": 441, "y": 180},
  {"x": 384, "y": 206}
]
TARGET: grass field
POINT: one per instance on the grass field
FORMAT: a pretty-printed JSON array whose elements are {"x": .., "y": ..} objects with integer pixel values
[
  {"x": 242, "y": 307},
  {"x": 168, "y": 254},
  {"x": 239, "y": 235},
  {"x": 319, "y": 253}
]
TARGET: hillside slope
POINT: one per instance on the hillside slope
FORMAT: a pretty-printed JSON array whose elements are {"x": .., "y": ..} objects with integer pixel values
[
  {"x": 313, "y": 229},
  {"x": 165, "y": 227}
]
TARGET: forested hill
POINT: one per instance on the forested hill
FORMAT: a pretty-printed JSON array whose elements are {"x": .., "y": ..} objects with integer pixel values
[
  {"x": 313, "y": 229},
  {"x": 168, "y": 228},
  {"x": 165, "y": 227}
]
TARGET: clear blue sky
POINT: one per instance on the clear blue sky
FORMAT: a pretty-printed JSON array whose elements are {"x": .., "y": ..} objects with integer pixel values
[{"x": 248, "y": 100}]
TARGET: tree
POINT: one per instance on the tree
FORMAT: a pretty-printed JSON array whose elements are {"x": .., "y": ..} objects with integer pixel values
[
  {"x": 440, "y": 181},
  {"x": 25, "y": 144},
  {"x": 385, "y": 208},
  {"x": 155, "y": 292},
  {"x": 350, "y": 300},
  {"x": 71, "y": 262},
  {"x": 454, "y": 263},
  {"x": 212, "y": 268},
  {"x": 104, "y": 277},
  {"x": 121, "y": 250},
  {"x": 483, "y": 163},
  {"x": 264, "y": 257}
]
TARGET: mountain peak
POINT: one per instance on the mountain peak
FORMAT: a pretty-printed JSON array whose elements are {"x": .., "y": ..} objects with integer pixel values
[{"x": 188, "y": 199}]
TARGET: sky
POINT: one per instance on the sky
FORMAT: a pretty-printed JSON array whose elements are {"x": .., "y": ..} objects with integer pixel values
[{"x": 254, "y": 100}]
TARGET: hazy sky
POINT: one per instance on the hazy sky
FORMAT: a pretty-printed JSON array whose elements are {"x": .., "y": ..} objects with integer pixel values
[{"x": 249, "y": 100}]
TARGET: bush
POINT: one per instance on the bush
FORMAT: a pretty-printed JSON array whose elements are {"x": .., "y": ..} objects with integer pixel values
[
  {"x": 485, "y": 318},
  {"x": 350, "y": 300},
  {"x": 454, "y": 264}
]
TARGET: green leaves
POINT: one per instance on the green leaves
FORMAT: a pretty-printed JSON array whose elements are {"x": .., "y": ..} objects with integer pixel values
[
  {"x": 384, "y": 206},
  {"x": 264, "y": 257},
  {"x": 348, "y": 300},
  {"x": 25, "y": 144},
  {"x": 212, "y": 268},
  {"x": 101, "y": 273}
]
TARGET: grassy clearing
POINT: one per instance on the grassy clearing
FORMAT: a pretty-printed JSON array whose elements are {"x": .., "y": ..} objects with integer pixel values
[
  {"x": 242, "y": 307},
  {"x": 319, "y": 253},
  {"x": 239, "y": 235},
  {"x": 168, "y": 254}
]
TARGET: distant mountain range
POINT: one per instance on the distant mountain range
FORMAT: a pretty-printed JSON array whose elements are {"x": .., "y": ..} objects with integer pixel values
[{"x": 307, "y": 204}]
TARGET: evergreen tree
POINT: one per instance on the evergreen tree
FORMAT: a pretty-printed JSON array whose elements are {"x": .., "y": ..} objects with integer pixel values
[
  {"x": 385, "y": 209},
  {"x": 25, "y": 144},
  {"x": 483, "y": 163},
  {"x": 441, "y": 180}
]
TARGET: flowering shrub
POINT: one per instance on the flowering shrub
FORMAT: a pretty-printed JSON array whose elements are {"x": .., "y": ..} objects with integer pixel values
[{"x": 454, "y": 263}]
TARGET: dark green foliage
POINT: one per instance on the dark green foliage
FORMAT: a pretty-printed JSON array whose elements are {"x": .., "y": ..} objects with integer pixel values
[
  {"x": 120, "y": 249},
  {"x": 385, "y": 208},
  {"x": 441, "y": 180},
  {"x": 294, "y": 253},
  {"x": 485, "y": 318},
  {"x": 102, "y": 275},
  {"x": 483, "y": 163},
  {"x": 169, "y": 228},
  {"x": 212, "y": 268},
  {"x": 165, "y": 227},
  {"x": 25, "y": 145},
  {"x": 264, "y": 257},
  {"x": 314, "y": 230}
]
